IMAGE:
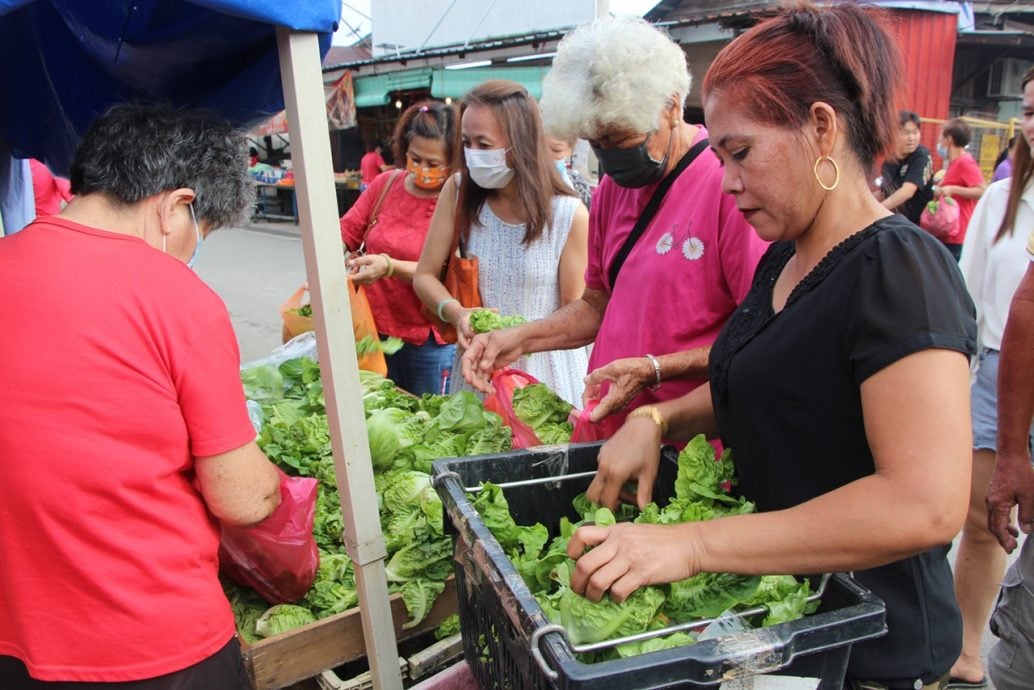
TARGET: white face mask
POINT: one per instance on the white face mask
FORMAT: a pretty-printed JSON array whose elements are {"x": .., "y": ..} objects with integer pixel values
[{"x": 488, "y": 167}]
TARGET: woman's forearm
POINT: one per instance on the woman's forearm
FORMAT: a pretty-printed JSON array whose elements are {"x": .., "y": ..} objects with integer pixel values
[{"x": 573, "y": 325}]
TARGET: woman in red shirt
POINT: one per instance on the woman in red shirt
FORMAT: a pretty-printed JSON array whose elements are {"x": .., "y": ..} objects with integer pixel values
[
  {"x": 426, "y": 138},
  {"x": 963, "y": 180}
]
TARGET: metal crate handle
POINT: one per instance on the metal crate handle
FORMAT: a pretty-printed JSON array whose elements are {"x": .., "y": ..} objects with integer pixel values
[{"x": 536, "y": 652}]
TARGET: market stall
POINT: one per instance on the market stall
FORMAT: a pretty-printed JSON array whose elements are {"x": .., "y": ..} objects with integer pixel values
[{"x": 67, "y": 61}]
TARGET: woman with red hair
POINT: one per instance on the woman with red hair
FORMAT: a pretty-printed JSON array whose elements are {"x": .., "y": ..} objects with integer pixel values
[{"x": 841, "y": 382}]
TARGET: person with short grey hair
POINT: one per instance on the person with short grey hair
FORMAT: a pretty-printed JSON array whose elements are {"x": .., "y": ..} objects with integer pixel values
[
  {"x": 652, "y": 309},
  {"x": 126, "y": 439}
]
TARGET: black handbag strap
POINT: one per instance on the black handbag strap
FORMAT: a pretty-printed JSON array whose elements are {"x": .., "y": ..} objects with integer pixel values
[{"x": 651, "y": 209}]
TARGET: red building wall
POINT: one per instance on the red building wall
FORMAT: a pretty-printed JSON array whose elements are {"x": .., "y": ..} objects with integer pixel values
[{"x": 927, "y": 41}]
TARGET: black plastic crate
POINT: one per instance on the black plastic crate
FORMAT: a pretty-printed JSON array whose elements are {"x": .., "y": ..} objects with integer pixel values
[{"x": 500, "y": 617}]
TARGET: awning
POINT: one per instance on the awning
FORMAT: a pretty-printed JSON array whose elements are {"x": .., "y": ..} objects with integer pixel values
[
  {"x": 377, "y": 90},
  {"x": 455, "y": 83},
  {"x": 66, "y": 61}
]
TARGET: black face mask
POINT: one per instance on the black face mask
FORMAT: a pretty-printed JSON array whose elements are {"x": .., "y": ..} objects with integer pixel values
[{"x": 633, "y": 167}]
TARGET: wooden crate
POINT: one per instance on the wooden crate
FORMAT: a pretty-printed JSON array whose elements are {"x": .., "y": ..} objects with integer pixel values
[{"x": 305, "y": 652}]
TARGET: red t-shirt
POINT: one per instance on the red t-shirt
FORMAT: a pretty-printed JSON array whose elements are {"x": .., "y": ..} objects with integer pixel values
[
  {"x": 402, "y": 224},
  {"x": 370, "y": 166},
  {"x": 118, "y": 366},
  {"x": 963, "y": 172},
  {"x": 49, "y": 191}
]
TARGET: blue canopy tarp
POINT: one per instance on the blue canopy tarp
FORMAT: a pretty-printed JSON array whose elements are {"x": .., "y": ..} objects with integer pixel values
[{"x": 65, "y": 61}]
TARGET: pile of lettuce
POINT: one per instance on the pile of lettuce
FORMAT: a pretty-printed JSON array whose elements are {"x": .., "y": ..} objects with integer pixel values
[
  {"x": 485, "y": 320},
  {"x": 701, "y": 493},
  {"x": 406, "y": 435},
  {"x": 545, "y": 412}
]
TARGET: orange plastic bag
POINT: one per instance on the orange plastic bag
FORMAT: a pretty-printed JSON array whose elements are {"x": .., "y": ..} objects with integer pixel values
[
  {"x": 295, "y": 323},
  {"x": 278, "y": 557},
  {"x": 362, "y": 323},
  {"x": 505, "y": 382}
]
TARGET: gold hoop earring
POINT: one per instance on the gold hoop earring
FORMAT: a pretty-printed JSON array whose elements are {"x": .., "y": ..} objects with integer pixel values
[{"x": 836, "y": 169}]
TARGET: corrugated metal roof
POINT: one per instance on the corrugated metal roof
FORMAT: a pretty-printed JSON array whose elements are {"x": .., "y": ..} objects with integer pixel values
[{"x": 697, "y": 11}]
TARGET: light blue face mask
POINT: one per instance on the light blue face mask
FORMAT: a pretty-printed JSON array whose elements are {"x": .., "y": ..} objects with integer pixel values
[
  {"x": 942, "y": 150},
  {"x": 197, "y": 232}
]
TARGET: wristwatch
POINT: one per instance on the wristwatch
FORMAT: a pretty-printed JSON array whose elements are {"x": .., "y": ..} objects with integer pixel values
[{"x": 652, "y": 413}]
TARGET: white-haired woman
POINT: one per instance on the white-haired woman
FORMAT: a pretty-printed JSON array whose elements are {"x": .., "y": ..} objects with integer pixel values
[{"x": 621, "y": 84}]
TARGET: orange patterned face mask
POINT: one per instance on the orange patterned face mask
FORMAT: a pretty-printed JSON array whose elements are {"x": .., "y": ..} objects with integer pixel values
[{"x": 428, "y": 178}]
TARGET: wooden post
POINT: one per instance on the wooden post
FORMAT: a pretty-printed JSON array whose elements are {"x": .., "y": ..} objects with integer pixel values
[{"x": 302, "y": 79}]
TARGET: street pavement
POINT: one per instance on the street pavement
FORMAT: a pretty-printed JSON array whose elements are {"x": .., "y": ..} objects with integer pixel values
[{"x": 256, "y": 267}]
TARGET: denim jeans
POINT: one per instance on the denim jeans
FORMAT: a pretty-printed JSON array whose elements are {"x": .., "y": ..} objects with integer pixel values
[{"x": 423, "y": 368}]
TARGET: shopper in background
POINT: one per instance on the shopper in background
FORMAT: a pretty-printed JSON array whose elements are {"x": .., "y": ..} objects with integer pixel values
[
  {"x": 50, "y": 192},
  {"x": 963, "y": 181},
  {"x": 372, "y": 163},
  {"x": 621, "y": 83},
  {"x": 126, "y": 438},
  {"x": 562, "y": 150},
  {"x": 519, "y": 219},
  {"x": 427, "y": 139},
  {"x": 841, "y": 382},
  {"x": 994, "y": 262},
  {"x": 906, "y": 177},
  {"x": 1003, "y": 164}
]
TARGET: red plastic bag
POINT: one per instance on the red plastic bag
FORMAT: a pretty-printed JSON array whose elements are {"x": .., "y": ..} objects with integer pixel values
[
  {"x": 940, "y": 218},
  {"x": 278, "y": 557},
  {"x": 505, "y": 382},
  {"x": 586, "y": 431}
]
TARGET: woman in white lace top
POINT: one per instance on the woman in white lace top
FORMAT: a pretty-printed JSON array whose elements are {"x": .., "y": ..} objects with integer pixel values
[{"x": 519, "y": 219}]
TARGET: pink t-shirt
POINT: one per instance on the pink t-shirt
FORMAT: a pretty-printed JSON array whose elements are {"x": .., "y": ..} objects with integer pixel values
[
  {"x": 683, "y": 278},
  {"x": 118, "y": 366},
  {"x": 400, "y": 231},
  {"x": 963, "y": 172}
]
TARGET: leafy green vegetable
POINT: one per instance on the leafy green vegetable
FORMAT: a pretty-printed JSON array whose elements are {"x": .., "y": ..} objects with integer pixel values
[
  {"x": 545, "y": 412},
  {"x": 334, "y": 589},
  {"x": 588, "y": 621},
  {"x": 247, "y": 608},
  {"x": 263, "y": 382},
  {"x": 409, "y": 562},
  {"x": 485, "y": 320},
  {"x": 368, "y": 345},
  {"x": 449, "y": 627},
  {"x": 419, "y": 596},
  {"x": 281, "y": 618},
  {"x": 708, "y": 595},
  {"x": 392, "y": 432}
]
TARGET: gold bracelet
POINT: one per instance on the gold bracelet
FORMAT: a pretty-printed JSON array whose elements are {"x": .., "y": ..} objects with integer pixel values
[
  {"x": 391, "y": 266},
  {"x": 653, "y": 413}
]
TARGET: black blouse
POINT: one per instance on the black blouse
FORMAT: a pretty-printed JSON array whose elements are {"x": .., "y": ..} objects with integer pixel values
[{"x": 786, "y": 391}]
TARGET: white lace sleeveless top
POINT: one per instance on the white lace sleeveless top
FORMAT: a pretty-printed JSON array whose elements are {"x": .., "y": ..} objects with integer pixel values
[{"x": 516, "y": 279}]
